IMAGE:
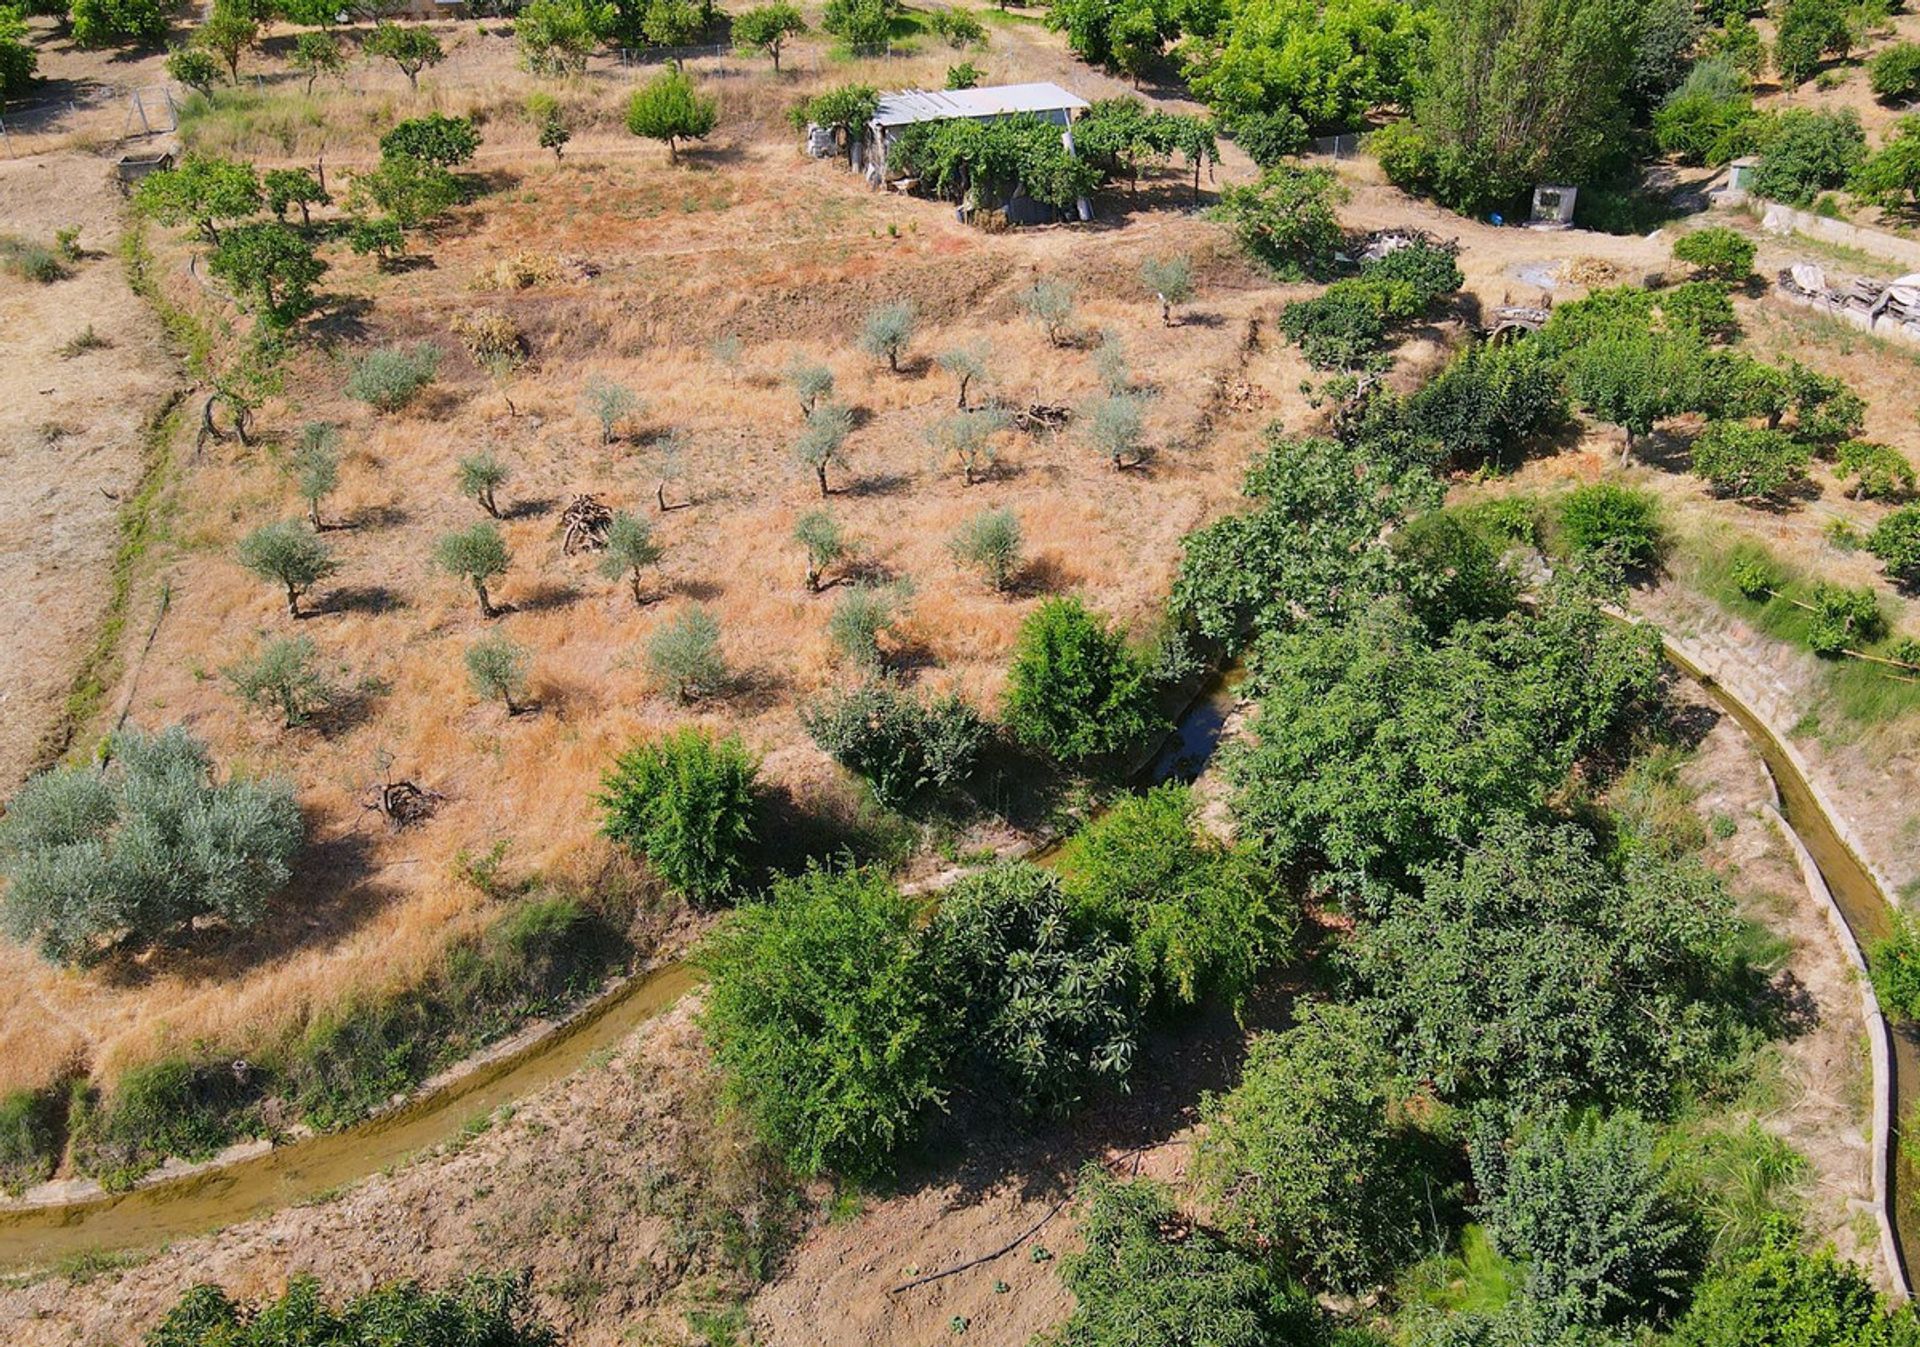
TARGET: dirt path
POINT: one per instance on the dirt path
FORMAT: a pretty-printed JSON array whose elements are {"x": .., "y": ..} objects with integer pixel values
[{"x": 70, "y": 436}]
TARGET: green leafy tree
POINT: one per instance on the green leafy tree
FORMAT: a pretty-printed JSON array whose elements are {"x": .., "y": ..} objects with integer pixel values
[
  {"x": 823, "y": 1014},
  {"x": 990, "y": 543},
  {"x": 825, "y": 542},
  {"x": 382, "y": 237},
  {"x": 1148, "y": 1277},
  {"x": 1748, "y": 463},
  {"x": 1045, "y": 1008},
  {"x": 1491, "y": 402},
  {"x": 554, "y": 135},
  {"x": 556, "y": 36},
  {"x": 137, "y": 851},
  {"x": 1449, "y": 570},
  {"x": 1516, "y": 92},
  {"x": 108, "y": 23},
  {"x": 1585, "y": 1206},
  {"x": 285, "y": 554},
  {"x": 272, "y": 270},
  {"x": 688, "y": 803},
  {"x": 1535, "y": 972},
  {"x": 477, "y": 555},
  {"x": 823, "y": 439},
  {"x": 1378, "y": 749},
  {"x": 1880, "y": 471},
  {"x": 1806, "y": 31},
  {"x": 1635, "y": 378},
  {"x": 1075, "y": 690},
  {"x": 674, "y": 23},
  {"x": 1806, "y": 151},
  {"x": 287, "y": 187},
  {"x": 389, "y": 378},
  {"x": 1305, "y": 1155},
  {"x": 1125, "y": 36},
  {"x": 887, "y": 333},
  {"x": 444, "y": 142},
  {"x": 195, "y": 67},
  {"x": 630, "y": 551},
  {"x": 766, "y": 29},
  {"x": 1285, "y": 221},
  {"x": 1614, "y": 523},
  {"x": 668, "y": 108},
  {"x": 497, "y": 667},
  {"x": 1716, "y": 253},
  {"x": 1890, "y": 177},
  {"x": 959, "y": 28},
  {"x": 496, "y": 1311},
  {"x": 316, "y": 54},
  {"x": 411, "y": 47},
  {"x": 316, "y": 467},
  {"x": 683, "y": 655},
  {"x": 203, "y": 190},
  {"x": 1326, "y": 62},
  {"x": 905, "y": 748},
  {"x": 1201, "y": 917},
  {"x": 409, "y": 191},
  {"x": 284, "y": 675},
  {"x": 230, "y": 31},
  {"x": 864, "y": 25},
  {"x": 1896, "y": 541},
  {"x": 844, "y": 110},
  {"x": 19, "y": 61}
]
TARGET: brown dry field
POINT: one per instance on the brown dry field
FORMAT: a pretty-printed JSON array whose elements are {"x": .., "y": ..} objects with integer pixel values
[
  {"x": 746, "y": 239},
  {"x": 596, "y": 1184}
]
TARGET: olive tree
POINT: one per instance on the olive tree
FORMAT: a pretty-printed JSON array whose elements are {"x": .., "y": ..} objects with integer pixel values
[
  {"x": 138, "y": 850},
  {"x": 480, "y": 475},
  {"x": 967, "y": 439},
  {"x": 1169, "y": 280},
  {"x": 823, "y": 438},
  {"x": 1050, "y": 304},
  {"x": 497, "y": 667},
  {"x": 888, "y": 332},
  {"x": 477, "y": 555},
  {"x": 1115, "y": 429},
  {"x": 810, "y": 383},
  {"x": 967, "y": 367},
  {"x": 609, "y": 403},
  {"x": 825, "y": 542},
  {"x": 864, "y": 614},
  {"x": 989, "y": 542},
  {"x": 684, "y": 657},
  {"x": 630, "y": 550},
  {"x": 285, "y": 554},
  {"x": 285, "y": 675},
  {"x": 316, "y": 467}
]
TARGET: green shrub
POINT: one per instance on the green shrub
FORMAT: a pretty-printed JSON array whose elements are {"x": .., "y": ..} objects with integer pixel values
[
  {"x": 1880, "y": 471},
  {"x": 822, "y": 1012},
  {"x": 492, "y": 1310},
  {"x": 1045, "y": 1007},
  {"x": 1269, "y": 137},
  {"x": 1805, "y": 151},
  {"x": 1490, "y": 402},
  {"x": 1075, "y": 691},
  {"x": 1895, "y": 72},
  {"x": 434, "y": 139},
  {"x": 1894, "y": 961},
  {"x": 29, "y": 1138},
  {"x": 1716, "y": 253},
  {"x": 903, "y": 747},
  {"x": 1286, "y": 220},
  {"x": 30, "y": 261},
  {"x": 1616, "y": 524},
  {"x": 1584, "y": 1206},
  {"x": 668, "y": 108},
  {"x": 388, "y": 378},
  {"x": 1896, "y": 541},
  {"x": 687, "y": 803},
  {"x": 1202, "y": 918},
  {"x": 1304, "y": 1154},
  {"x": 141, "y": 849},
  {"x": 1148, "y": 1277},
  {"x": 1783, "y": 1294},
  {"x": 1749, "y": 463}
]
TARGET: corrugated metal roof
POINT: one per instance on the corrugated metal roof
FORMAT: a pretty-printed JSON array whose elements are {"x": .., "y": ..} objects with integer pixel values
[{"x": 908, "y": 106}]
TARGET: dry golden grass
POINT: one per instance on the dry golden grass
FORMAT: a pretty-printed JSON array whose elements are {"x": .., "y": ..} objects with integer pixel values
[{"x": 750, "y": 240}]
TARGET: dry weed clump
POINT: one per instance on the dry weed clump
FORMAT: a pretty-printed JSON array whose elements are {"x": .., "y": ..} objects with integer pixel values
[{"x": 1591, "y": 272}]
